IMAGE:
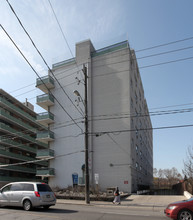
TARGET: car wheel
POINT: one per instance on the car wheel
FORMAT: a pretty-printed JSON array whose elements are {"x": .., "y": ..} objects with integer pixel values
[
  {"x": 27, "y": 205},
  {"x": 185, "y": 215},
  {"x": 46, "y": 206}
]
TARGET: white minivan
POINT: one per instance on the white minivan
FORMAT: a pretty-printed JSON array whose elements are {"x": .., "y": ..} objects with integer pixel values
[{"x": 27, "y": 195}]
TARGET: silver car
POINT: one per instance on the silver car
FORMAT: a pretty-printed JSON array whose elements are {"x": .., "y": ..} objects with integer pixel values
[{"x": 27, "y": 195}]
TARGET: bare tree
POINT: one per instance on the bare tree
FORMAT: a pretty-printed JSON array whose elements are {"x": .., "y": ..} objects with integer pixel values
[
  {"x": 188, "y": 169},
  {"x": 166, "y": 177},
  {"x": 172, "y": 175}
]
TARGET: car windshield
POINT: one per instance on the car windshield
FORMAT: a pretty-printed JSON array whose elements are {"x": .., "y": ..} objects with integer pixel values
[
  {"x": 191, "y": 199},
  {"x": 43, "y": 188}
]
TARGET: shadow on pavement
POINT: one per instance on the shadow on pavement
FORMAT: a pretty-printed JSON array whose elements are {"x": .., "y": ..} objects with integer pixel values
[{"x": 42, "y": 210}]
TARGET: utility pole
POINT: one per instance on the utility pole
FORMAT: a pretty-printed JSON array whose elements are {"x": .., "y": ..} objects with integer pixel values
[{"x": 87, "y": 186}]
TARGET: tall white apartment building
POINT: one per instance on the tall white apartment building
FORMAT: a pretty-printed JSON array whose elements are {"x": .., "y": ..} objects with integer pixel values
[{"x": 119, "y": 125}]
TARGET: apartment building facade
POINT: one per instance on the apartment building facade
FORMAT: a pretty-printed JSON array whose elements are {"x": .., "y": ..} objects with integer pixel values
[
  {"x": 119, "y": 125},
  {"x": 20, "y": 150}
]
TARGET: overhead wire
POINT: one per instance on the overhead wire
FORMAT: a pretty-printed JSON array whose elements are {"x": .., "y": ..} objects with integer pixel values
[
  {"x": 165, "y": 44},
  {"x": 65, "y": 39},
  {"x": 39, "y": 160},
  {"x": 127, "y": 59},
  {"x": 38, "y": 75},
  {"x": 99, "y": 133},
  {"x": 118, "y": 116},
  {"x": 154, "y": 47},
  {"x": 42, "y": 56},
  {"x": 117, "y": 132}
]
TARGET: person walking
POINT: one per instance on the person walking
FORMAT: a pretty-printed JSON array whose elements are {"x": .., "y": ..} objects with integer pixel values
[{"x": 117, "y": 199}]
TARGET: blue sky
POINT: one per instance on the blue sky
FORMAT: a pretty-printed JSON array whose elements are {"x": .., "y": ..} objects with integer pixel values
[{"x": 144, "y": 23}]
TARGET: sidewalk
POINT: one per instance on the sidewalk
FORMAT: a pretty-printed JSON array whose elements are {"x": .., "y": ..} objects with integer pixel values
[{"x": 131, "y": 201}]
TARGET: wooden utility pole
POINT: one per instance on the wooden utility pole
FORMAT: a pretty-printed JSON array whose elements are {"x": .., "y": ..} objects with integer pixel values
[{"x": 87, "y": 190}]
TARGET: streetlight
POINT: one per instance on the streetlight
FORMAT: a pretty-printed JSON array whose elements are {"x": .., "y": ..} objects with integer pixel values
[{"x": 87, "y": 198}]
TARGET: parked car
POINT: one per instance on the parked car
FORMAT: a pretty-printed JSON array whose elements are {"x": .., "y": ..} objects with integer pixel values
[
  {"x": 27, "y": 195},
  {"x": 182, "y": 210}
]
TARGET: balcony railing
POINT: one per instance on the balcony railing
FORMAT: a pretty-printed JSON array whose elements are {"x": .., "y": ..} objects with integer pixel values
[
  {"x": 45, "y": 153},
  {"x": 45, "y": 136},
  {"x": 6, "y": 115},
  {"x": 18, "y": 169},
  {"x": 45, "y": 118},
  {"x": 65, "y": 62},
  {"x": 16, "y": 156},
  {"x": 45, "y": 172},
  {"x": 111, "y": 48},
  {"x": 45, "y": 100},
  {"x": 13, "y": 179},
  {"x": 45, "y": 83},
  {"x": 14, "y": 132},
  {"x": 12, "y": 107},
  {"x": 17, "y": 145}
]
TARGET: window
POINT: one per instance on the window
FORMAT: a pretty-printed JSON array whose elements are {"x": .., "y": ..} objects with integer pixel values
[
  {"x": 132, "y": 123},
  {"x": 16, "y": 187},
  {"x": 136, "y": 165},
  {"x": 6, "y": 189},
  {"x": 135, "y": 81},
  {"x": 139, "y": 95},
  {"x": 43, "y": 188},
  {"x": 131, "y": 82},
  {"x": 132, "y": 103},
  {"x": 136, "y": 132},
  {"x": 27, "y": 187},
  {"x": 136, "y": 98}
]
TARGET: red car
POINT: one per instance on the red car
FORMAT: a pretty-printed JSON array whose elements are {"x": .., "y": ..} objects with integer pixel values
[{"x": 182, "y": 210}]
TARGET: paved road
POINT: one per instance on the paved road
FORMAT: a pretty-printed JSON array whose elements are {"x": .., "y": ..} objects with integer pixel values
[
  {"x": 132, "y": 208},
  {"x": 84, "y": 212}
]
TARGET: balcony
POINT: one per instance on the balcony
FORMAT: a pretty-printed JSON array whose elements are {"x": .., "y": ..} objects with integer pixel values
[
  {"x": 14, "y": 179},
  {"x": 45, "y": 153},
  {"x": 45, "y": 118},
  {"x": 45, "y": 101},
  {"x": 13, "y": 108},
  {"x": 6, "y": 116},
  {"x": 21, "y": 157},
  {"x": 18, "y": 169},
  {"x": 20, "y": 134},
  {"x": 45, "y": 136},
  {"x": 45, "y": 83},
  {"x": 46, "y": 172},
  {"x": 15, "y": 144}
]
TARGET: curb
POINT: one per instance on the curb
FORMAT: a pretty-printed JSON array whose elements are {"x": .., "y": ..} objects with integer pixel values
[{"x": 94, "y": 203}]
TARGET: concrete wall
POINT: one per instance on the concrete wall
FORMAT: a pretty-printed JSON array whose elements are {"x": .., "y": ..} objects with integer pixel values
[
  {"x": 113, "y": 84},
  {"x": 68, "y": 136},
  {"x": 111, "y": 98}
]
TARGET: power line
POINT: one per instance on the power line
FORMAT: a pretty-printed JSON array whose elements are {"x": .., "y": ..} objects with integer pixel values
[
  {"x": 36, "y": 161},
  {"x": 99, "y": 133},
  {"x": 142, "y": 67},
  {"x": 118, "y": 116},
  {"x": 166, "y": 52},
  {"x": 42, "y": 56},
  {"x": 38, "y": 75},
  {"x": 168, "y": 62},
  {"x": 151, "y": 55},
  {"x": 60, "y": 28},
  {"x": 139, "y": 115},
  {"x": 144, "y": 57},
  {"x": 166, "y": 44},
  {"x": 62, "y": 33}
]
